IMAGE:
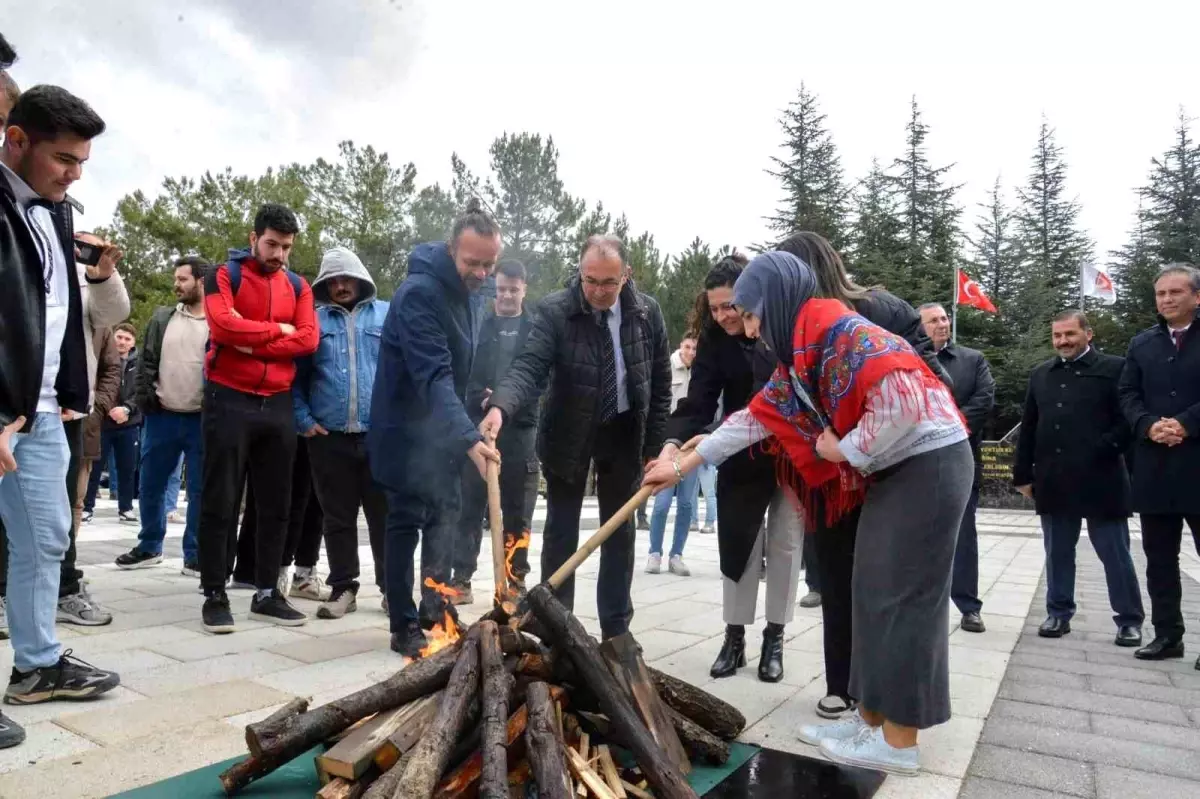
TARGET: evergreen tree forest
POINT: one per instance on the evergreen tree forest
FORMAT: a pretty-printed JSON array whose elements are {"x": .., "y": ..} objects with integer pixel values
[{"x": 900, "y": 226}]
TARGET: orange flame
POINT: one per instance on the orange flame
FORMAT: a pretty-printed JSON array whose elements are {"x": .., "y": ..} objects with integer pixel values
[
  {"x": 517, "y": 543},
  {"x": 447, "y": 631}
]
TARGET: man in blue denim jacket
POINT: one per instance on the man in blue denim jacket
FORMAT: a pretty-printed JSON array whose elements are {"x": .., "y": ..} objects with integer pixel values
[{"x": 332, "y": 399}]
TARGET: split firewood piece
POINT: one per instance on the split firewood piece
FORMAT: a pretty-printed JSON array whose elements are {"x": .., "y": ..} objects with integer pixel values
[
  {"x": 625, "y": 662},
  {"x": 608, "y": 770},
  {"x": 274, "y": 742},
  {"x": 585, "y": 741},
  {"x": 389, "y": 780},
  {"x": 636, "y": 792},
  {"x": 699, "y": 742},
  {"x": 405, "y": 736},
  {"x": 715, "y": 715},
  {"x": 496, "y": 687},
  {"x": 341, "y": 788},
  {"x": 570, "y": 637},
  {"x": 544, "y": 744},
  {"x": 430, "y": 755},
  {"x": 593, "y": 782},
  {"x": 355, "y": 753}
]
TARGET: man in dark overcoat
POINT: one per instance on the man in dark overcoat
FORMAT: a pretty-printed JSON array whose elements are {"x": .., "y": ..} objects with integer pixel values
[{"x": 1070, "y": 461}]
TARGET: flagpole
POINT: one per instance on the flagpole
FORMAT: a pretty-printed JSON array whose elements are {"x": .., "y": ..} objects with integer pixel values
[
  {"x": 954, "y": 311},
  {"x": 1082, "y": 266}
]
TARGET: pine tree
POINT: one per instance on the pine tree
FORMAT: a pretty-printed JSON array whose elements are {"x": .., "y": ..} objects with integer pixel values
[
  {"x": 1053, "y": 247},
  {"x": 876, "y": 244},
  {"x": 814, "y": 193},
  {"x": 1133, "y": 268},
  {"x": 685, "y": 279},
  {"x": 997, "y": 261},
  {"x": 929, "y": 219},
  {"x": 1172, "y": 199}
]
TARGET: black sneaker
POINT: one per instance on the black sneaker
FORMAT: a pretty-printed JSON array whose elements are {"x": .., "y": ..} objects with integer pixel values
[
  {"x": 276, "y": 610},
  {"x": 217, "y": 618},
  {"x": 11, "y": 733},
  {"x": 70, "y": 679},
  {"x": 136, "y": 559},
  {"x": 410, "y": 642}
]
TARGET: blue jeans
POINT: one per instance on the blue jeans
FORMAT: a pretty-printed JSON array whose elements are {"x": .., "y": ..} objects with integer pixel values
[
  {"x": 685, "y": 505},
  {"x": 1110, "y": 539},
  {"x": 37, "y": 517},
  {"x": 169, "y": 436},
  {"x": 708, "y": 483},
  {"x": 123, "y": 444},
  {"x": 174, "y": 483}
]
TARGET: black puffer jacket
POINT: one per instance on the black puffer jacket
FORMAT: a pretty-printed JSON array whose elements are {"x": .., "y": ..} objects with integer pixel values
[{"x": 565, "y": 346}]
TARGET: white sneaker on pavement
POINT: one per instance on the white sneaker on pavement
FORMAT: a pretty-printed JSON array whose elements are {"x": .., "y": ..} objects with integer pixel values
[
  {"x": 677, "y": 567},
  {"x": 654, "y": 564},
  {"x": 869, "y": 749},
  {"x": 310, "y": 586}
]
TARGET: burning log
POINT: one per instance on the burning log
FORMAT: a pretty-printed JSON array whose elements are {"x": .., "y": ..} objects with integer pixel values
[
  {"x": 625, "y": 663},
  {"x": 566, "y": 630},
  {"x": 699, "y": 742},
  {"x": 429, "y": 757},
  {"x": 715, "y": 715},
  {"x": 496, "y": 687},
  {"x": 544, "y": 744}
]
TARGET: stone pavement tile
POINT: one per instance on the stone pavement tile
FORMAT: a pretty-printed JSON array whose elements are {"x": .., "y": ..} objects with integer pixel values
[
  {"x": 240, "y": 720},
  {"x": 313, "y": 678},
  {"x": 1188, "y": 679},
  {"x": 213, "y": 646},
  {"x": 1120, "y": 783},
  {"x": 1115, "y": 705},
  {"x": 979, "y": 788},
  {"x": 1057, "y": 648},
  {"x": 180, "y": 676},
  {"x": 26, "y": 715},
  {"x": 707, "y": 623},
  {"x": 1033, "y": 770},
  {"x": 104, "y": 771},
  {"x": 799, "y": 667},
  {"x": 1092, "y": 748},
  {"x": 1007, "y": 603},
  {"x": 977, "y": 662},
  {"x": 992, "y": 640},
  {"x": 146, "y": 618},
  {"x": 659, "y": 643},
  {"x": 1155, "y": 693},
  {"x": 664, "y": 614},
  {"x": 95, "y": 645},
  {"x": 1047, "y": 677},
  {"x": 1044, "y": 715},
  {"x": 811, "y": 640},
  {"x": 1149, "y": 732},
  {"x": 363, "y": 619},
  {"x": 995, "y": 622},
  {"x": 777, "y": 729},
  {"x": 972, "y": 696},
  {"x": 332, "y": 647},
  {"x": 1129, "y": 671},
  {"x": 44, "y": 740},
  {"x": 754, "y": 698},
  {"x": 947, "y": 748},
  {"x": 922, "y": 786},
  {"x": 179, "y": 710},
  {"x": 127, "y": 661}
]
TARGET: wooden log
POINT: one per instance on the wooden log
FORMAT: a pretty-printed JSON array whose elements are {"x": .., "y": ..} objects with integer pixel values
[
  {"x": 355, "y": 753},
  {"x": 405, "y": 737},
  {"x": 429, "y": 756},
  {"x": 715, "y": 715},
  {"x": 293, "y": 708},
  {"x": 592, "y": 782},
  {"x": 341, "y": 788},
  {"x": 496, "y": 686},
  {"x": 573, "y": 639},
  {"x": 625, "y": 663},
  {"x": 699, "y": 742},
  {"x": 280, "y": 740},
  {"x": 389, "y": 780},
  {"x": 608, "y": 770},
  {"x": 518, "y": 778},
  {"x": 544, "y": 744},
  {"x": 585, "y": 742}
]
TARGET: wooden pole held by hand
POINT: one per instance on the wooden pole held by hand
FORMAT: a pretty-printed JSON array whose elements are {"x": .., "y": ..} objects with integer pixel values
[
  {"x": 496, "y": 517},
  {"x": 603, "y": 534}
]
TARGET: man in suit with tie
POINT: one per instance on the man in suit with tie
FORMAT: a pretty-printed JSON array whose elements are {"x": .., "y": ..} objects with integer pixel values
[{"x": 603, "y": 347}]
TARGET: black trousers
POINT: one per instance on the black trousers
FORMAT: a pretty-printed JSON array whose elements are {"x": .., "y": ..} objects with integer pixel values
[
  {"x": 808, "y": 561},
  {"x": 518, "y": 498},
  {"x": 834, "y": 545},
  {"x": 244, "y": 434},
  {"x": 69, "y": 574},
  {"x": 342, "y": 483},
  {"x": 618, "y": 470},
  {"x": 964, "y": 582},
  {"x": 1162, "y": 536},
  {"x": 304, "y": 529}
]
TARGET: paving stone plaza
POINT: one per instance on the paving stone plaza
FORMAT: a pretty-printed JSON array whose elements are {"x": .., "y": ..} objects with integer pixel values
[{"x": 1033, "y": 718}]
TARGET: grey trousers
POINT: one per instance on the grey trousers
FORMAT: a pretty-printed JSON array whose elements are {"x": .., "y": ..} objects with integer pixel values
[{"x": 784, "y": 542}]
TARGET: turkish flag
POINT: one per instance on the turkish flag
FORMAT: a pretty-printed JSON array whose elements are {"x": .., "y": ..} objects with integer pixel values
[{"x": 971, "y": 293}]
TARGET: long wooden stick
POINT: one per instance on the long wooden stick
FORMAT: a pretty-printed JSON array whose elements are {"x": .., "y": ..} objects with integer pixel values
[
  {"x": 599, "y": 537},
  {"x": 496, "y": 518}
]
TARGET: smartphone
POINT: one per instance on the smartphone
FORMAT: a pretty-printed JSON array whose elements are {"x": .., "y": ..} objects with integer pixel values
[{"x": 89, "y": 254}]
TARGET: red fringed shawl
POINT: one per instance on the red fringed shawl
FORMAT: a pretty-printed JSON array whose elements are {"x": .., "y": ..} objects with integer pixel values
[{"x": 839, "y": 359}]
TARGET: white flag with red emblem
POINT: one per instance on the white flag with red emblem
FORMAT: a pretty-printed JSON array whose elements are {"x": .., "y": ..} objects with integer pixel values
[{"x": 1097, "y": 283}]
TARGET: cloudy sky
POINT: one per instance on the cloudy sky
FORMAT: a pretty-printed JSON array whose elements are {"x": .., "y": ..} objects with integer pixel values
[{"x": 665, "y": 110}]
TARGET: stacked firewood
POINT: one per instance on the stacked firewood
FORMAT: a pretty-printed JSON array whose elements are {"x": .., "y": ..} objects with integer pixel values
[{"x": 516, "y": 707}]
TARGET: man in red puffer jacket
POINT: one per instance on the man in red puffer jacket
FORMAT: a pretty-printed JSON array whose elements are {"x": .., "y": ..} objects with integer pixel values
[{"x": 260, "y": 320}]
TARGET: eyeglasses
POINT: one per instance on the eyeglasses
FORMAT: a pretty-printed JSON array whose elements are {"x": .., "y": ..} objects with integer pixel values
[{"x": 607, "y": 285}]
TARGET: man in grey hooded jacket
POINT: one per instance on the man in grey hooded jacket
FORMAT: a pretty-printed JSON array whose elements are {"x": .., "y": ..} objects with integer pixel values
[{"x": 332, "y": 399}]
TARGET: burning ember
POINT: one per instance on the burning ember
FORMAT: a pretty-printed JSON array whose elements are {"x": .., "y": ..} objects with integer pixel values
[
  {"x": 448, "y": 630},
  {"x": 507, "y": 595}
]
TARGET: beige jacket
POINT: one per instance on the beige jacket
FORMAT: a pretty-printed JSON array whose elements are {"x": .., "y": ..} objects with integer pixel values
[{"x": 104, "y": 305}]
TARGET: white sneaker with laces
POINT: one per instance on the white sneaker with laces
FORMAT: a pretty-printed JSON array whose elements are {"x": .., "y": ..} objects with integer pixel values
[
  {"x": 677, "y": 567},
  {"x": 870, "y": 750},
  {"x": 311, "y": 586},
  {"x": 81, "y": 609},
  {"x": 848, "y": 727},
  {"x": 284, "y": 583},
  {"x": 654, "y": 564}
]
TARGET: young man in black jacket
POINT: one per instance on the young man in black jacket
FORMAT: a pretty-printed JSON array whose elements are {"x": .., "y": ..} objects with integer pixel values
[
  {"x": 502, "y": 336},
  {"x": 120, "y": 433},
  {"x": 47, "y": 140},
  {"x": 603, "y": 346}
]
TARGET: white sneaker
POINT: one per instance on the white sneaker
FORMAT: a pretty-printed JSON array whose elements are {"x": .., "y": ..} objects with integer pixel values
[
  {"x": 848, "y": 727},
  {"x": 338, "y": 606},
  {"x": 677, "y": 567},
  {"x": 284, "y": 583},
  {"x": 870, "y": 750},
  {"x": 312, "y": 587},
  {"x": 707, "y": 530},
  {"x": 654, "y": 564},
  {"x": 175, "y": 517}
]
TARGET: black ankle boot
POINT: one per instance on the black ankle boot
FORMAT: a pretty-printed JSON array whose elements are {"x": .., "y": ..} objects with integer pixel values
[
  {"x": 770, "y": 665},
  {"x": 733, "y": 652}
]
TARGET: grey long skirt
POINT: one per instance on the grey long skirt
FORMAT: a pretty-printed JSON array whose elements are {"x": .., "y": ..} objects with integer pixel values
[{"x": 900, "y": 661}]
